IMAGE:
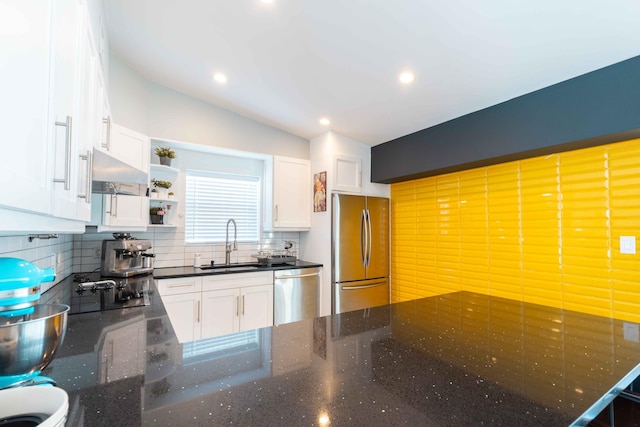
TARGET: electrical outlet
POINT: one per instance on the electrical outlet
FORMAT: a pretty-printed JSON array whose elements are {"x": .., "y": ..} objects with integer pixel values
[
  {"x": 627, "y": 244},
  {"x": 98, "y": 252}
]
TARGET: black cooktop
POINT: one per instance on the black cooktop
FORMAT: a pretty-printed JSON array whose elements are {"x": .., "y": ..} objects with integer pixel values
[{"x": 93, "y": 292}]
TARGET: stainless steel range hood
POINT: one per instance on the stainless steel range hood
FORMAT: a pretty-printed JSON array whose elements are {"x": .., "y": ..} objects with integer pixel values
[{"x": 113, "y": 176}]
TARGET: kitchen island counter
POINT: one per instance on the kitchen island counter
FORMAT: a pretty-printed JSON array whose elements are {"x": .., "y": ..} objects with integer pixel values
[{"x": 455, "y": 359}]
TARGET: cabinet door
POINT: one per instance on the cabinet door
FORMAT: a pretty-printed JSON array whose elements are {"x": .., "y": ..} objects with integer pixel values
[
  {"x": 184, "y": 311},
  {"x": 24, "y": 61},
  {"x": 126, "y": 211},
  {"x": 256, "y": 307},
  {"x": 131, "y": 147},
  {"x": 347, "y": 174},
  {"x": 64, "y": 120},
  {"x": 220, "y": 312},
  {"x": 291, "y": 193}
]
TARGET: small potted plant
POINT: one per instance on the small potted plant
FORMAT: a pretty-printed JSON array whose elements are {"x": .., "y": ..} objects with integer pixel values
[
  {"x": 165, "y": 154},
  {"x": 171, "y": 195},
  {"x": 154, "y": 193},
  {"x": 156, "y": 215},
  {"x": 161, "y": 187}
]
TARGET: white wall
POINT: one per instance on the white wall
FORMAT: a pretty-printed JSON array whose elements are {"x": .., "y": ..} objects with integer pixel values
[
  {"x": 158, "y": 111},
  {"x": 316, "y": 244}
]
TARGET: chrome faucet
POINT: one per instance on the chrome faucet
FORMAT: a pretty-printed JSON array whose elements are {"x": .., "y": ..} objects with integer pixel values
[{"x": 228, "y": 249}]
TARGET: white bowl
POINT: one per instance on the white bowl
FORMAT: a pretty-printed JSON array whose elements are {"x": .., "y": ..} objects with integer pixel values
[{"x": 51, "y": 404}]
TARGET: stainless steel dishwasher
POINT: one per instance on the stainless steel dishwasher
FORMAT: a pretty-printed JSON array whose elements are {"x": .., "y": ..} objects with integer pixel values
[{"x": 295, "y": 294}]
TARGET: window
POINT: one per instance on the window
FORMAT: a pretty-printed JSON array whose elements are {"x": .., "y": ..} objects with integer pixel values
[{"x": 212, "y": 199}]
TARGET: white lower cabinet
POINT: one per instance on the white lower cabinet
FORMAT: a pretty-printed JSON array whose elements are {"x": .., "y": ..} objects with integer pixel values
[
  {"x": 184, "y": 312},
  {"x": 210, "y": 306},
  {"x": 182, "y": 299},
  {"x": 233, "y": 310}
]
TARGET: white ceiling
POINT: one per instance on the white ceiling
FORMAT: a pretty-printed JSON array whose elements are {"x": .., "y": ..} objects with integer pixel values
[{"x": 291, "y": 62}]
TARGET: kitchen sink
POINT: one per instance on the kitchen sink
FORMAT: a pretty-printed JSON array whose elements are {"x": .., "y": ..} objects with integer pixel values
[{"x": 231, "y": 267}]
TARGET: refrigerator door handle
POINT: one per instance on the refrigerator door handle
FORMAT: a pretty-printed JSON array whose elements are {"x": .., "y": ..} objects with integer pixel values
[
  {"x": 363, "y": 238},
  {"x": 348, "y": 288},
  {"x": 370, "y": 234}
]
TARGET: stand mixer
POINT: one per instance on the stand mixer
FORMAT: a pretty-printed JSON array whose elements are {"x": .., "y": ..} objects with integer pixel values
[{"x": 30, "y": 333}]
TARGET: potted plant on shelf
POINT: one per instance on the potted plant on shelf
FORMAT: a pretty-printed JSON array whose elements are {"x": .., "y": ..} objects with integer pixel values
[
  {"x": 156, "y": 215},
  {"x": 171, "y": 195},
  {"x": 154, "y": 193},
  {"x": 162, "y": 187},
  {"x": 165, "y": 154}
]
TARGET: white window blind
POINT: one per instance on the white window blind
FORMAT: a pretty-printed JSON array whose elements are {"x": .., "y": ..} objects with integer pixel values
[{"x": 212, "y": 199}]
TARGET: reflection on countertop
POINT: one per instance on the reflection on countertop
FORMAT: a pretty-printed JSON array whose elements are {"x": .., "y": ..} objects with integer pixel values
[{"x": 455, "y": 359}]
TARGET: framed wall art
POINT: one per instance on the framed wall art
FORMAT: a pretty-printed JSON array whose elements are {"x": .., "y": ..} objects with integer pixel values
[{"x": 320, "y": 192}]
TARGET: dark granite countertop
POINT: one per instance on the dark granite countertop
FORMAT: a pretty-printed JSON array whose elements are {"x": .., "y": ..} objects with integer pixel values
[
  {"x": 459, "y": 359},
  {"x": 172, "y": 272}
]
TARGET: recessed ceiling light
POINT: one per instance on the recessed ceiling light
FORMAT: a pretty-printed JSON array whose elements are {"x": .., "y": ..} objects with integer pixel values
[
  {"x": 220, "y": 78},
  {"x": 324, "y": 121},
  {"x": 267, "y": 1},
  {"x": 406, "y": 77}
]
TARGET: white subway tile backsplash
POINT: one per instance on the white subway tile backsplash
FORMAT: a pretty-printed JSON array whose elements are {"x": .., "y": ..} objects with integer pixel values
[
  {"x": 82, "y": 252},
  {"x": 40, "y": 252}
]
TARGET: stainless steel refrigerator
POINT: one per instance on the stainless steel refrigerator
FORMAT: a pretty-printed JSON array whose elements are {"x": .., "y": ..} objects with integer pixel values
[{"x": 359, "y": 252}]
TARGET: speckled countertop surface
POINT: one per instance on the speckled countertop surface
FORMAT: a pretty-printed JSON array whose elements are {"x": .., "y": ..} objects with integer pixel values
[{"x": 460, "y": 359}]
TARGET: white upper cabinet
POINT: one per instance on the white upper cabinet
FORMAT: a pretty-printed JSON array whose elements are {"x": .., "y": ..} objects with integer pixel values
[
  {"x": 119, "y": 212},
  {"x": 25, "y": 38},
  {"x": 290, "y": 205},
  {"x": 131, "y": 147},
  {"x": 65, "y": 122},
  {"x": 41, "y": 57},
  {"x": 347, "y": 173}
]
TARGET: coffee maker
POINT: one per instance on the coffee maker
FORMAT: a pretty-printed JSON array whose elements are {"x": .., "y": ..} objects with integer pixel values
[{"x": 125, "y": 256}]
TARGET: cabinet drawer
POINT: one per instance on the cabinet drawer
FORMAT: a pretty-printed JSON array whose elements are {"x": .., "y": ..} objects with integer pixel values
[
  {"x": 236, "y": 280},
  {"x": 180, "y": 285}
]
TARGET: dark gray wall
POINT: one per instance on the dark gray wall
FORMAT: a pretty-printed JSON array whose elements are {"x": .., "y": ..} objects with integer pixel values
[{"x": 596, "y": 108}]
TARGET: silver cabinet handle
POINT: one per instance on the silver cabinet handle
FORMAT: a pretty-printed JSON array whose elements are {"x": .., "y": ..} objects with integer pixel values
[
  {"x": 67, "y": 153},
  {"x": 276, "y": 213},
  {"x": 237, "y": 306},
  {"x": 243, "y": 305},
  {"x": 181, "y": 285},
  {"x": 198, "y": 313},
  {"x": 114, "y": 205},
  {"x": 107, "y": 143},
  {"x": 297, "y": 276},
  {"x": 87, "y": 193}
]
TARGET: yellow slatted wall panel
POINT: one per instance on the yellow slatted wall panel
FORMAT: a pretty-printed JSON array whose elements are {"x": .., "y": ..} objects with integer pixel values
[
  {"x": 544, "y": 230},
  {"x": 540, "y": 203},
  {"x": 503, "y": 203},
  {"x": 624, "y": 190},
  {"x": 403, "y": 244},
  {"x": 474, "y": 231},
  {"x": 447, "y": 234},
  {"x": 426, "y": 237},
  {"x": 586, "y": 264}
]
